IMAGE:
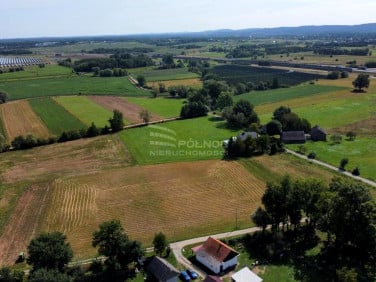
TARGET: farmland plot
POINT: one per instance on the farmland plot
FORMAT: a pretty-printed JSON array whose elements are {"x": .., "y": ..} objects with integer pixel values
[
  {"x": 56, "y": 117},
  {"x": 131, "y": 112},
  {"x": 181, "y": 200},
  {"x": 20, "y": 119},
  {"x": 85, "y": 110}
]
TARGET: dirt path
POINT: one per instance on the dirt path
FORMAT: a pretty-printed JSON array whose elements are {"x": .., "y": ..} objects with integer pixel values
[{"x": 131, "y": 112}]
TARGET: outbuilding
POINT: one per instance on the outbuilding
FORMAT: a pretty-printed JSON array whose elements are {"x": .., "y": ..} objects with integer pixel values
[
  {"x": 162, "y": 270},
  {"x": 318, "y": 134},
  {"x": 293, "y": 137},
  {"x": 245, "y": 275},
  {"x": 216, "y": 255}
]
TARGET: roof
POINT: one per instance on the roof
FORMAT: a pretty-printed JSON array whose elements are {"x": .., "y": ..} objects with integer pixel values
[
  {"x": 217, "y": 249},
  {"x": 244, "y": 135},
  {"x": 245, "y": 275},
  {"x": 162, "y": 269},
  {"x": 317, "y": 128},
  {"x": 293, "y": 135},
  {"x": 212, "y": 279}
]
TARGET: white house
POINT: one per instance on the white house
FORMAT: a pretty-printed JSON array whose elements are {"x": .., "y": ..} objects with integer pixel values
[
  {"x": 216, "y": 255},
  {"x": 245, "y": 275}
]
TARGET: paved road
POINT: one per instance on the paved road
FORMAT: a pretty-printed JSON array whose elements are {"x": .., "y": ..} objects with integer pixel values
[
  {"x": 362, "y": 179},
  {"x": 177, "y": 247}
]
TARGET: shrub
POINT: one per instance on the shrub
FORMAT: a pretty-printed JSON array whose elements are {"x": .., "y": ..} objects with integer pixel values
[
  {"x": 311, "y": 155},
  {"x": 343, "y": 163},
  {"x": 356, "y": 171}
]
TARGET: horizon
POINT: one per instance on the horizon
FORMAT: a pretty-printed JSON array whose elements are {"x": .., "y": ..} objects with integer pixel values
[{"x": 23, "y": 19}]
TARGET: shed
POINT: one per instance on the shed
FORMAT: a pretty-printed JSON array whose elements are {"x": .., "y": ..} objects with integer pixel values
[
  {"x": 216, "y": 255},
  {"x": 318, "y": 134},
  {"x": 290, "y": 137},
  {"x": 245, "y": 275},
  {"x": 162, "y": 270}
]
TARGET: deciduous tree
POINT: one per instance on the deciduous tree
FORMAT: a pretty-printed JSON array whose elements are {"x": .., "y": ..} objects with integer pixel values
[{"x": 50, "y": 251}]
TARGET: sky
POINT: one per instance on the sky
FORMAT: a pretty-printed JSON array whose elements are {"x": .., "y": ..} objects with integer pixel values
[{"x": 40, "y": 18}]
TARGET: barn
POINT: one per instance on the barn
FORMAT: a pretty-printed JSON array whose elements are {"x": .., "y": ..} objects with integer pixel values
[
  {"x": 216, "y": 255},
  {"x": 292, "y": 137},
  {"x": 318, "y": 134}
]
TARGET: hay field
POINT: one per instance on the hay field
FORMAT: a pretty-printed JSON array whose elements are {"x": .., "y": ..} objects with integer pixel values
[
  {"x": 183, "y": 200},
  {"x": 19, "y": 119}
]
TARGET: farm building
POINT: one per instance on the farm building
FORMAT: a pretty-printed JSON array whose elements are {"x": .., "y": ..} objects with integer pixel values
[
  {"x": 290, "y": 137},
  {"x": 211, "y": 278},
  {"x": 216, "y": 255},
  {"x": 162, "y": 270},
  {"x": 245, "y": 275},
  {"x": 318, "y": 134}
]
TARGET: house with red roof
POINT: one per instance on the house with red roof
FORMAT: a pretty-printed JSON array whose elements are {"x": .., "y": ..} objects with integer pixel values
[{"x": 216, "y": 255}]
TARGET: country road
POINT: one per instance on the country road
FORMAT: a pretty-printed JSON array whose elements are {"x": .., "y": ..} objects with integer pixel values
[{"x": 331, "y": 167}]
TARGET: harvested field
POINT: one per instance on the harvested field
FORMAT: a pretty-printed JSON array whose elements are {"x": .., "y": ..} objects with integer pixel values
[
  {"x": 131, "y": 112},
  {"x": 182, "y": 200},
  {"x": 20, "y": 119},
  {"x": 65, "y": 159},
  {"x": 23, "y": 224},
  {"x": 191, "y": 82}
]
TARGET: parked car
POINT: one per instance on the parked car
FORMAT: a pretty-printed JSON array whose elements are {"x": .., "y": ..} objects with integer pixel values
[
  {"x": 192, "y": 273},
  {"x": 184, "y": 276}
]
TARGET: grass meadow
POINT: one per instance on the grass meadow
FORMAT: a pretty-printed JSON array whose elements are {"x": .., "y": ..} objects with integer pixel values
[
  {"x": 86, "y": 110},
  {"x": 164, "y": 107},
  {"x": 56, "y": 117},
  {"x": 72, "y": 85},
  {"x": 33, "y": 72},
  {"x": 152, "y": 74},
  {"x": 184, "y": 140},
  {"x": 360, "y": 152},
  {"x": 284, "y": 94}
]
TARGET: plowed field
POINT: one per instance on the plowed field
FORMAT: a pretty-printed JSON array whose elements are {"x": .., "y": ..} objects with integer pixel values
[
  {"x": 131, "y": 112},
  {"x": 20, "y": 119}
]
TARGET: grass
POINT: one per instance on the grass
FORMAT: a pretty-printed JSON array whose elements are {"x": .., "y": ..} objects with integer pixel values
[
  {"x": 165, "y": 74},
  {"x": 37, "y": 72},
  {"x": 56, "y": 117},
  {"x": 2, "y": 129},
  {"x": 284, "y": 94},
  {"x": 31, "y": 88},
  {"x": 360, "y": 153},
  {"x": 185, "y": 140},
  {"x": 164, "y": 107},
  {"x": 86, "y": 110}
]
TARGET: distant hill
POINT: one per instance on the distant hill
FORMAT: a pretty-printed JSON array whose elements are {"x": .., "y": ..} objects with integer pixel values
[{"x": 290, "y": 31}]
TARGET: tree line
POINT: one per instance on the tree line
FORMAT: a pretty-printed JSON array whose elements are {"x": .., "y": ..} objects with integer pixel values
[
  {"x": 301, "y": 212},
  {"x": 49, "y": 255}
]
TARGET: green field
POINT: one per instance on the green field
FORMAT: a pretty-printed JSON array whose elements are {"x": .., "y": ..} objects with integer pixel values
[
  {"x": 164, "y": 74},
  {"x": 185, "y": 140},
  {"x": 360, "y": 152},
  {"x": 56, "y": 117},
  {"x": 164, "y": 107},
  {"x": 85, "y": 110},
  {"x": 37, "y": 72},
  {"x": 283, "y": 94},
  {"x": 31, "y": 88}
]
